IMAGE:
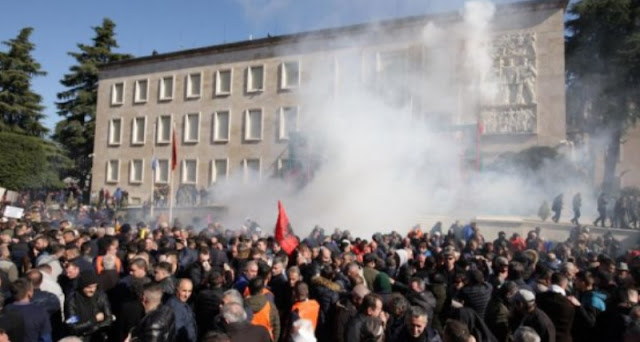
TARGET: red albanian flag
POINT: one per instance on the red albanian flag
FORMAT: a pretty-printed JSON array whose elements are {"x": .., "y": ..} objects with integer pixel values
[{"x": 284, "y": 234}]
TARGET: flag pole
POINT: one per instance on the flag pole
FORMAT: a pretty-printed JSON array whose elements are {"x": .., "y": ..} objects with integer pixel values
[
  {"x": 171, "y": 192},
  {"x": 153, "y": 170},
  {"x": 171, "y": 198}
]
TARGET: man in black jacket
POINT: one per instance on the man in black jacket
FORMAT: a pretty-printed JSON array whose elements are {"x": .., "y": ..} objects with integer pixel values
[
  {"x": 87, "y": 311},
  {"x": 346, "y": 309},
  {"x": 526, "y": 313},
  {"x": 477, "y": 293},
  {"x": 371, "y": 307},
  {"x": 158, "y": 324},
  {"x": 558, "y": 307},
  {"x": 208, "y": 302}
]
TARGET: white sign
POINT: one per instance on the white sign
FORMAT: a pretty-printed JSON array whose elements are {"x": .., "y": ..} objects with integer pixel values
[{"x": 13, "y": 212}]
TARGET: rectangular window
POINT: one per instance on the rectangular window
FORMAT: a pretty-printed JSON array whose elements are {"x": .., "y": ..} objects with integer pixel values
[
  {"x": 283, "y": 166},
  {"x": 163, "y": 135},
  {"x": 191, "y": 128},
  {"x": 219, "y": 170},
  {"x": 288, "y": 122},
  {"x": 162, "y": 171},
  {"x": 290, "y": 75},
  {"x": 113, "y": 171},
  {"x": 223, "y": 82},
  {"x": 138, "y": 131},
  {"x": 253, "y": 124},
  {"x": 255, "y": 78},
  {"x": 189, "y": 171},
  {"x": 141, "y": 90},
  {"x": 251, "y": 171},
  {"x": 194, "y": 85},
  {"x": 166, "y": 88},
  {"x": 221, "y": 123},
  {"x": 136, "y": 170},
  {"x": 115, "y": 131},
  {"x": 117, "y": 93}
]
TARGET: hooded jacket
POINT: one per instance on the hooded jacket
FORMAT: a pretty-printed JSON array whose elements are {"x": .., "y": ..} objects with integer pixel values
[
  {"x": 80, "y": 313},
  {"x": 265, "y": 314},
  {"x": 327, "y": 293}
]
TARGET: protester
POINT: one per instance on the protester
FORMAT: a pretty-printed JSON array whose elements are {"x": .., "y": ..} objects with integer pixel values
[
  {"x": 37, "y": 325},
  {"x": 120, "y": 280},
  {"x": 158, "y": 324}
]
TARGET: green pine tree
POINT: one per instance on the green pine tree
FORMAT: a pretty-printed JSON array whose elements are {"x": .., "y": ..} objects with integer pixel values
[
  {"x": 78, "y": 103},
  {"x": 20, "y": 106},
  {"x": 603, "y": 73}
]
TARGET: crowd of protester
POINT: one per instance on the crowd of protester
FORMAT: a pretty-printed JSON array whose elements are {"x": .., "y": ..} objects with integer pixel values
[{"x": 81, "y": 276}]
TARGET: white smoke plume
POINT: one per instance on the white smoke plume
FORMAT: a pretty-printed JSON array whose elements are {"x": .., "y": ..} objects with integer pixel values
[{"x": 388, "y": 155}]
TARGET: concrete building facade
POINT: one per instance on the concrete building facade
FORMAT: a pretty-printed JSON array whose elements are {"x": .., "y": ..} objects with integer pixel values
[{"x": 234, "y": 107}]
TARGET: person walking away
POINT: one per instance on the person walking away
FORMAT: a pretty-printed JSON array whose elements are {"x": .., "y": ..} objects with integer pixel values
[
  {"x": 239, "y": 329},
  {"x": 577, "y": 203},
  {"x": 556, "y": 207},
  {"x": 37, "y": 327},
  {"x": 264, "y": 311},
  {"x": 158, "y": 324},
  {"x": 304, "y": 308},
  {"x": 526, "y": 313},
  {"x": 602, "y": 210}
]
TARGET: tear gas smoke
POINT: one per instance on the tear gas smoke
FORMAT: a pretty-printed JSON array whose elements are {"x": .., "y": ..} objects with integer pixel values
[{"x": 383, "y": 135}]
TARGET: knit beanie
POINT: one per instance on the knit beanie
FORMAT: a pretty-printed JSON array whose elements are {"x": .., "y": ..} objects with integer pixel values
[{"x": 87, "y": 278}]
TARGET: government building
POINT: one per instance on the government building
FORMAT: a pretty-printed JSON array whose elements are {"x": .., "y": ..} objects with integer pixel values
[{"x": 236, "y": 109}]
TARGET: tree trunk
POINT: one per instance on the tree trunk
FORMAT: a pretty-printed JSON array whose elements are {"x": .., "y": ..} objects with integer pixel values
[{"x": 611, "y": 158}]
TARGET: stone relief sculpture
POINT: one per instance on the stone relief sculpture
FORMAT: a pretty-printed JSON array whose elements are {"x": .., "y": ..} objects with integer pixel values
[
  {"x": 509, "y": 120},
  {"x": 513, "y": 109}
]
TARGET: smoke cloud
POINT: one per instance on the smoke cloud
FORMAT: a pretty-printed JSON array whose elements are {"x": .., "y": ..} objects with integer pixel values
[{"x": 384, "y": 134}]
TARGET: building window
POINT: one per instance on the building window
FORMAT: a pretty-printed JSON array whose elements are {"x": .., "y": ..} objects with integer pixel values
[
  {"x": 288, "y": 122},
  {"x": 117, "y": 93},
  {"x": 189, "y": 171},
  {"x": 163, "y": 135},
  {"x": 251, "y": 170},
  {"x": 255, "y": 78},
  {"x": 194, "y": 85},
  {"x": 166, "y": 88},
  {"x": 138, "y": 130},
  {"x": 115, "y": 131},
  {"x": 253, "y": 124},
  {"x": 162, "y": 171},
  {"x": 136, "y": 170},
  {"x": 191, "y": 128},
  {"x": 113, "y": 171},
  {"x": 283, "y": 166},
  {"x": 223, "y": 82},
  {"x": 141, "y": 90},
  {"x": 219, "y": 170},
  {"x": 221, "y": 126},
  {"x": 290, "y": 75}
]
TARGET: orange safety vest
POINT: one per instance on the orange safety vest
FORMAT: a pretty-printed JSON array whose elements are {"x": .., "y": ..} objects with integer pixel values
[
  {"x": 264, "y": 291},
  {"x": 100, "y": 268},
  {"x": 308, "y": 310},
  {"x": 263, "y": 318}
]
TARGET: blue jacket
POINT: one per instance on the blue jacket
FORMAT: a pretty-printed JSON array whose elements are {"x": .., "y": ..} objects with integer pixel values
[
  {"x": 186, "y": 329},
  {"x": 594, "y": 299},
  {"x": 36, "y": 321}
]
